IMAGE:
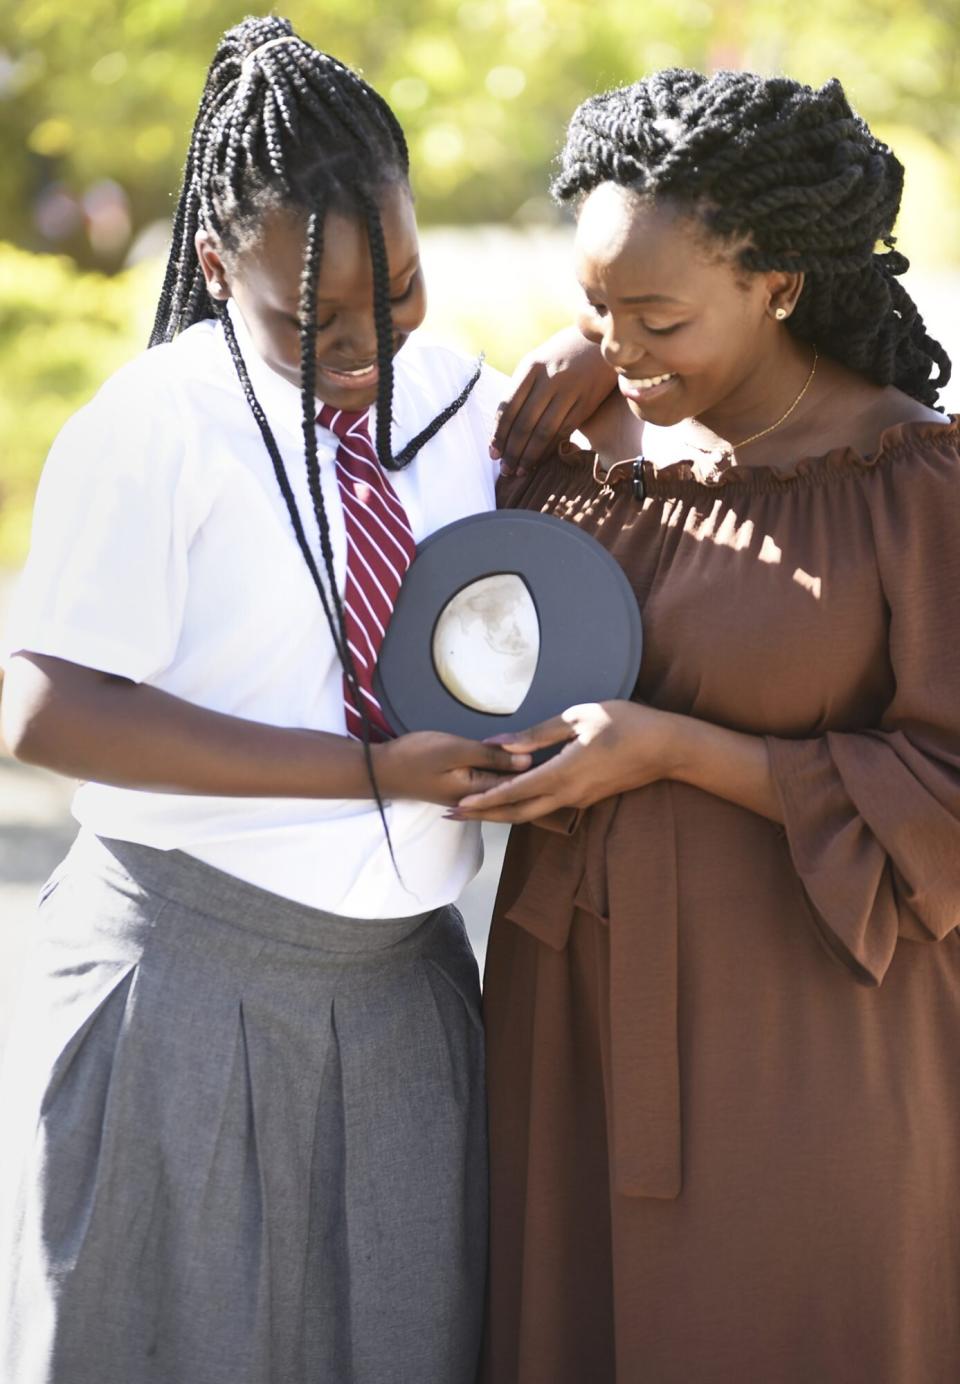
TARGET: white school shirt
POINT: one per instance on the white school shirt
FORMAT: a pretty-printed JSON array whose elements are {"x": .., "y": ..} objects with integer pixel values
[{"x": 163, "y": 552}]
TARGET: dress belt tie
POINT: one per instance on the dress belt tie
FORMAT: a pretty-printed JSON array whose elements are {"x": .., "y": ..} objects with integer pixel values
[{"x": 619, "y": 864}]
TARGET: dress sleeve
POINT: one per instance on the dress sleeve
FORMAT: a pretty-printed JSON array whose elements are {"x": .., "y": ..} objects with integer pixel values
[
  {"x": 105, "y": 580},
  {"x": 872, "y": 818}
]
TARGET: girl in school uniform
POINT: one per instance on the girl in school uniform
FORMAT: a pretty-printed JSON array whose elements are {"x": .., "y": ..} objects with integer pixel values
[{"x": 244, "y": 1134}]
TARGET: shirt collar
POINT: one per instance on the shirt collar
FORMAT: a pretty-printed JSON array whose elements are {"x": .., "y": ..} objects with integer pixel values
[{"x": 280, "y": 399}]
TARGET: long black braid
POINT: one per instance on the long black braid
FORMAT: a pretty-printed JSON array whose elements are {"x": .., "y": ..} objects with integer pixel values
[
  {"x": 288, "y": 126},
  {"x": 790, "y": 169}
]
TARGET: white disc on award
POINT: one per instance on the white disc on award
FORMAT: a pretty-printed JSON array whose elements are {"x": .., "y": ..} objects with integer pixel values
[
  {"x": 504, "y": 620},
  {"x": 486, "y": 644}
]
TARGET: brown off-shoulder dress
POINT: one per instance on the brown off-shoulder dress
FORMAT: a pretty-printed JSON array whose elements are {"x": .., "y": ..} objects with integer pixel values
[{"x": 724, "y": 1055}]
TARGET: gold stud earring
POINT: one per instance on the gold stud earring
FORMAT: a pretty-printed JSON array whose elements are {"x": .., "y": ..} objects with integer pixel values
[{"x": 780, "y": 314}]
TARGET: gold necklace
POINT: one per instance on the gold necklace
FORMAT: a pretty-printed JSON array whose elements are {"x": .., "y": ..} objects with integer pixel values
[{"x": 807, "y": 383}]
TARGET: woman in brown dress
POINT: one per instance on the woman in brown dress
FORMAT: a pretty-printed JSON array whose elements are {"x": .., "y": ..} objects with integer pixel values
[{"x": 723, "y": 981}]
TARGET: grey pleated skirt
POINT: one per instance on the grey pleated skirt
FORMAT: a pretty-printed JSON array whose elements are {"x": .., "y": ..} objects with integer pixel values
[{"x": 243, "y": 1141}]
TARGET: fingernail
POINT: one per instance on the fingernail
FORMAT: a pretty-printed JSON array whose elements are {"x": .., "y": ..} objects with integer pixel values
[
  {"x": 453, "y": 817},
  {"x": 506, "y": 471},
  {"x": 494, "y": 452}
]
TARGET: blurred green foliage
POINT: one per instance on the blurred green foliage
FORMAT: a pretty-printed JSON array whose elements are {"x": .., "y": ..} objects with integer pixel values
[{"x": 108, "y": 89}]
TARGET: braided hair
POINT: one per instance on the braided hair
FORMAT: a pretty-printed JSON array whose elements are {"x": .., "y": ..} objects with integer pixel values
[
  {"x": 281, "y": 125},
  {"x": 792, "y": 171}
]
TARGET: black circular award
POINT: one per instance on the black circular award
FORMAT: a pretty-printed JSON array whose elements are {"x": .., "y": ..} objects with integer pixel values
[{"x": 504, "y": 620}]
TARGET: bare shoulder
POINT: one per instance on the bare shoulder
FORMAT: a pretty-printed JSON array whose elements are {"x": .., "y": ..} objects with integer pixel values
[
  {"x": 891, "y": 406},
  {"x": 855, "y": 412}
]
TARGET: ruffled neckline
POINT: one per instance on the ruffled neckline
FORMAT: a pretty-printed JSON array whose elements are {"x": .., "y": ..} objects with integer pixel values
[{"x": 712, "y": 472}]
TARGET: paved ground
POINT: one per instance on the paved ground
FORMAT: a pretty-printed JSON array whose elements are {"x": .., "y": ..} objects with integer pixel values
[{"x": 36, "y": 829}]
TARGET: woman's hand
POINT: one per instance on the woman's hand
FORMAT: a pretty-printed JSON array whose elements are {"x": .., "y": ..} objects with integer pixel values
[
  {"x": 610, "y": 747},
  {"x": 437, "y": 768},
  {"x": 557, "y": 387}
]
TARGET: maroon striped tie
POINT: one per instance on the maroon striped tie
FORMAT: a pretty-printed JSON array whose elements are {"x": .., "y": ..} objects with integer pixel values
[{"x": 380, "y": 548}]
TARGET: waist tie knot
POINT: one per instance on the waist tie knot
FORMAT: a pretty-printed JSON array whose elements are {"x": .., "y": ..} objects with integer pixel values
[{"x": 618, "y": 862}]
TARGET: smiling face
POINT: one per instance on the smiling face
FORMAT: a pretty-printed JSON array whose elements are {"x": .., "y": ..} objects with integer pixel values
[
  {"x": 688, "y": 331},
  {"x": 264, "y": 281}
]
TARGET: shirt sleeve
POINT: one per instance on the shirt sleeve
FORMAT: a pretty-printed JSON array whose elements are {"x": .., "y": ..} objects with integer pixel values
[
  {"x": 492, "y": 389},
  {"x": 451, "y": 371},
  {"x": 489, "y": 392},
  {"x": 105, "y": 581},
  {"x": 872, "y": 818}
]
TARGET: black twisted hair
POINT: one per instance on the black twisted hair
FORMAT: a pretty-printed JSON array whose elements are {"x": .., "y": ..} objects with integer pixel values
[
  {"x": 286, "y": 126},
  {"x": 792, "y": 171}
]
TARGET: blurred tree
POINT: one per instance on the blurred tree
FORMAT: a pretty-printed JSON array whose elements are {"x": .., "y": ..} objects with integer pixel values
[{"x": 96, "y": 101}]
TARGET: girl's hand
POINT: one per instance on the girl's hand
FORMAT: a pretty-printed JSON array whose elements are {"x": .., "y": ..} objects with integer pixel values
[
  {"x": 437, "y": 768},
  {"x": 610, "y": 747},
  {"x": 557, "y": 387}
]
